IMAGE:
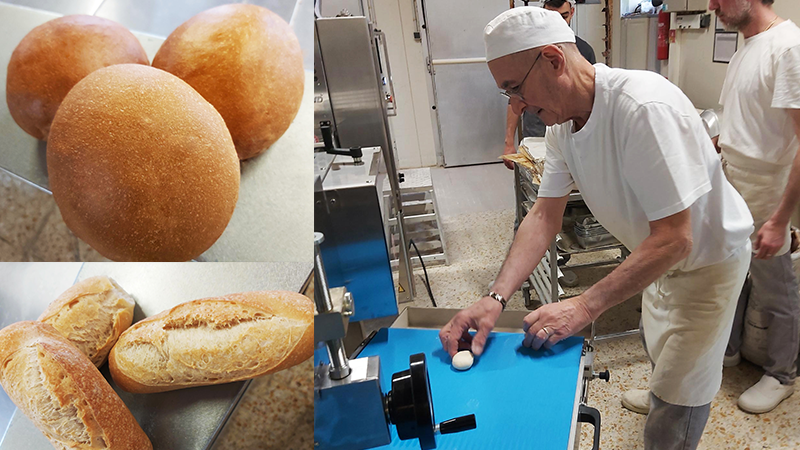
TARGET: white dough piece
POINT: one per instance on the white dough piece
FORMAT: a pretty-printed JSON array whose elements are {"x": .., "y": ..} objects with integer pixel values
[{"x": 463, "y": 360}]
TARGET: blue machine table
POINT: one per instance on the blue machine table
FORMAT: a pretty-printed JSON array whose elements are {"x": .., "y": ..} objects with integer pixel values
[{"x": 520, "y": 398}]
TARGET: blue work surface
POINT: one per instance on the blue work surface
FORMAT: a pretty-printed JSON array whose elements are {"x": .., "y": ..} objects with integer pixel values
[{"x": 521, "y": 398}]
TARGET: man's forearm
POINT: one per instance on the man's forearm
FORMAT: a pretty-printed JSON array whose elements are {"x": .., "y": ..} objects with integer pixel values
[
  {"x": 512, "y": 119},
  {"x": 533, "y": 238},
  {"x": 654, "y": 256},
  {"x": 791, "y": 195}
]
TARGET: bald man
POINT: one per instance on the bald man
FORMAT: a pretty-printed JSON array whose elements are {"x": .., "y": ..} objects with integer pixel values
[{"x": 638, "y": 151}]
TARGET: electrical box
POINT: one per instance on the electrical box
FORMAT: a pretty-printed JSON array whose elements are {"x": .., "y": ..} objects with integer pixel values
[{"x": 686, "y": 5}]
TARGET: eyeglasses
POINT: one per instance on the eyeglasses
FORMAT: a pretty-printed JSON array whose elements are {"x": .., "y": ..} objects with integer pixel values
[{"x": 514, "y": 92}]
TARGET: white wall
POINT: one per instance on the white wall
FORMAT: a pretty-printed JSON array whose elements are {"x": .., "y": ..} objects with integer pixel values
[
  {"x": 700, "y": 78},
  {"x": 412, "y": 128},
  {"x": 588, "y": 24}
]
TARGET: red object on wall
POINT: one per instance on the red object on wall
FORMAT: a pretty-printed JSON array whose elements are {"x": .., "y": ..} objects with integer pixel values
[{"x": 662, "y": 40}]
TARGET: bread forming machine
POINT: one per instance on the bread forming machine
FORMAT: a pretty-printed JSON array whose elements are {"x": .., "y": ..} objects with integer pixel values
[{"x": 393, "y": 390}]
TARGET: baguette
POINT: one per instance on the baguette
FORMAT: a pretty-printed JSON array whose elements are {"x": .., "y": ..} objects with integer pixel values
[
  {"x": 215, "y": 340},
  {"x": 92, "y": 314},
  {"x": 59, "y": 389}
]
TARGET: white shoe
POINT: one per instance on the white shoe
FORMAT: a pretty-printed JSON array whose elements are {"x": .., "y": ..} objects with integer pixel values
[
  {"x": 732, "y": 361},
  {"x": 637, "y": 400},
  {"x": 765, "y": 395}
]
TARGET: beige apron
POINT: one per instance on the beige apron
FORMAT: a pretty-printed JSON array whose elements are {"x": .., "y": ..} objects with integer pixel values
[
  {"x": 762, "y": 185},
  {"x": 687, "y": 319}
]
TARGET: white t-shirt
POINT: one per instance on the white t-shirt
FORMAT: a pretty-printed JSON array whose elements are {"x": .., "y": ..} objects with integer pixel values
[
  {"x": 644, "y": 155},
  {"x": 763, "y": 80}
]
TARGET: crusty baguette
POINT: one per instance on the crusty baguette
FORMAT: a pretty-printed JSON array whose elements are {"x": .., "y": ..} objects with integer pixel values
[
  {"x": 215, "y": 340},
  {"x": 92, "y": 314},
  {"x": 63, "y": 393}
]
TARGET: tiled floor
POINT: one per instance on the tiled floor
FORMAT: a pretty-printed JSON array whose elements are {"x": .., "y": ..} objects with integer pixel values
[
  {"x": 31, "y": 228},
  {"x": 479, "y": 233}
]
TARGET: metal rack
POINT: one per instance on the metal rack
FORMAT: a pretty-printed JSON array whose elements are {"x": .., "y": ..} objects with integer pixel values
[
  {"x": 422, "y": 221},
  {"x": 545, "y": 277}
]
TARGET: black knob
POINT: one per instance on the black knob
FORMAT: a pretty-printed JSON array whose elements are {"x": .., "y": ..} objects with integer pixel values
[
  {"x": 458, "y": 424},
  {"x": 604, "y": 375},
  {"x": 401, "y": 176}
]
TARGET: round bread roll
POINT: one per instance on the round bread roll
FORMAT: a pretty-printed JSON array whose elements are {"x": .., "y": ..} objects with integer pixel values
[
  {"x": 246, "y": 61},
  {"x": 141, "y": 167},
  {"x": 54, "y": 56}
]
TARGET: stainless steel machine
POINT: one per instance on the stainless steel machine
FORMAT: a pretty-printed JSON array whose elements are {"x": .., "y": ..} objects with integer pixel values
[{"x": 352, "y": 101}]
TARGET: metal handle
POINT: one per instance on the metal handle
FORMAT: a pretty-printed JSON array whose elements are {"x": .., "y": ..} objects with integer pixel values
[
  {"x": 587, "y": 414},
  {"x": 382, "y": 36}
]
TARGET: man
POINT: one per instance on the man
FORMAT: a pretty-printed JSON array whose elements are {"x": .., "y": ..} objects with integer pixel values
[
  {"x": 531, "y": 123},
  {"x": 758, "y": 141},
  {"x": 638, "y": 151}
]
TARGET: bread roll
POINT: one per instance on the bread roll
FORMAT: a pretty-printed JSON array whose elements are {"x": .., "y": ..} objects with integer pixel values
[
  {"x": 246, "y": 61},
  {"x": 141, "y": 167},
  {"x": 54, "y": 56},
  {"x": 62, "y": 392},
  {"x": 91, "y": 314},
  {"x": 215, "y": 340}
]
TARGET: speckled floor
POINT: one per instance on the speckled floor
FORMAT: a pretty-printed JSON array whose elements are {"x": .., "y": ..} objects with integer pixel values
[
  {"x": 478, "y": 242},
  {"x": 31, "y": 228}
]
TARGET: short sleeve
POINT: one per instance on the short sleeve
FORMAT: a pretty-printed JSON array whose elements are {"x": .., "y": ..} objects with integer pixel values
[
  {"x": 663, "y": 160},
  {"x": 787, "y": 80},
  {"x": 557, "y": 180}
]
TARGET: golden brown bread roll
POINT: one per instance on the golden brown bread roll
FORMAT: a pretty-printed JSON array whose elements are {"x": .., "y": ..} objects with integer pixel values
[
  {"x": 246, "y": 61},
  {"x": 62, "y": 392},
  {"x": 54, "y": 56},
  {"x": 215, "y": 340},
  {"x": 91, "y": 314},
  {"x": 141, "y": 167}
]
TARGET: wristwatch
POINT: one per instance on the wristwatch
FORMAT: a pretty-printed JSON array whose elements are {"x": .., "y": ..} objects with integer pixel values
[{"x": 499, "y": 298}]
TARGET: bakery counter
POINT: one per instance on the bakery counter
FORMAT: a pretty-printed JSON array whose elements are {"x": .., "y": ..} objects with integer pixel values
[
  {"x": 270, "y": 222},
  {"x": 274, "y": 411}
]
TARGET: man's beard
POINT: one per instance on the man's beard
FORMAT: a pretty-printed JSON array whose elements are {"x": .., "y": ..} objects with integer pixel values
[{"x": 741, "y": 17}]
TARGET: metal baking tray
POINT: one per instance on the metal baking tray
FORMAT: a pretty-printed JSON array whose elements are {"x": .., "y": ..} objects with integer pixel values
[{"x": 187, "y": 419}]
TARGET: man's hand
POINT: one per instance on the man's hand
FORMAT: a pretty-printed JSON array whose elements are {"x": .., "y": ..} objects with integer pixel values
[
  {"x": 481, "y": 316},
  {"x": 770, "y": 239},
  {"x": 554, "y": 322},
  {"x": 509, "y": 150}
]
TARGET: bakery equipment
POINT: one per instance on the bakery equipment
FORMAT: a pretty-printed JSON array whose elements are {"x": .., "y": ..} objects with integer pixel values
[
  {"x": 351, "y": 110},
  {"x": 350, "y": 408},
  {"x": 537, "y": 398},
  {"x": 186, "y": 419}
]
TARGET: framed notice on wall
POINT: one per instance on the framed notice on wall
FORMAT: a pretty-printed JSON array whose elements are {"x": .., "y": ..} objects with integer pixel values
[{"x": 725, "y": 45}]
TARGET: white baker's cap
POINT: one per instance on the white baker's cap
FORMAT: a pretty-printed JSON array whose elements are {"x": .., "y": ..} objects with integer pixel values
[{"x": 523, "y": 28}]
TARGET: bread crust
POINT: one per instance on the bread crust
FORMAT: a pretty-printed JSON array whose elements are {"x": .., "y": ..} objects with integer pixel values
[
  {"x": 246, "y": 61},
  {"x": 91, "y": 314},
  {"x": 55, "y": 56},
  {"x": 141, "y": 166},
  {"x": 56, "y": 386},
  {"x": 215, "y": 340}
]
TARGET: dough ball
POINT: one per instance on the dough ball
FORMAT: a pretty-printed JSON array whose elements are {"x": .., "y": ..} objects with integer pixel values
[
  {"x": 141, "y": 166},
  {"x": 463, "y": 360},
  {"x": 55, "y": 56},
  {"x": 246, "y": 61}
]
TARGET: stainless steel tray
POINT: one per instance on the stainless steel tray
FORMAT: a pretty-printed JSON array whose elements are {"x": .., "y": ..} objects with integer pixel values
[{"x": 188, "y": 419}]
